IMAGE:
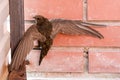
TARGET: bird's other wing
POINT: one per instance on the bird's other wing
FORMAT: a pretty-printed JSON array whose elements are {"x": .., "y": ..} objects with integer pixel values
[
  {"x": 25, "y": 46},
  {"x": 73, "y": 27}
]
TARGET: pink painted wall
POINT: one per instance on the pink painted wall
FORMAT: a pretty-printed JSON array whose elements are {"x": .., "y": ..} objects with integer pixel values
[{"x": 54, "y": 8}]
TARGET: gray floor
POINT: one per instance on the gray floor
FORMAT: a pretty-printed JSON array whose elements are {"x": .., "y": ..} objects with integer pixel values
[{"x": 71, "y": 76}]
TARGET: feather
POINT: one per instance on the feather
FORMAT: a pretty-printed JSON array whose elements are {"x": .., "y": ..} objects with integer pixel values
[
  {"x": 25, "y": 46},
  {"x": 73, "y": 27}
]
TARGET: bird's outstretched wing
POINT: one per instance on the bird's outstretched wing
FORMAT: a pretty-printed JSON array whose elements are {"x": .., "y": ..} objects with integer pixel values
[
  {"x": 74, "y": 27},
  {"x": 25, "y": 46}
]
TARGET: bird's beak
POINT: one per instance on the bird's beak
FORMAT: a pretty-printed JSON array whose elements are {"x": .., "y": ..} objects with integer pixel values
[{"x": 34, "y": 17}]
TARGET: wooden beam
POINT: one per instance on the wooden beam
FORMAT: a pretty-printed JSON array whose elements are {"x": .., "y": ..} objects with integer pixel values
[{"x": 16, "y": 8}]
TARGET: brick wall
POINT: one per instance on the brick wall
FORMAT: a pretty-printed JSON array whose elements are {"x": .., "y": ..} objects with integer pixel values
[{"x": 68, "y": 52}]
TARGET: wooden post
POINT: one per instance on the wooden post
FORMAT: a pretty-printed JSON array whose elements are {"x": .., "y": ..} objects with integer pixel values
[{"x": 16, "y": 10}]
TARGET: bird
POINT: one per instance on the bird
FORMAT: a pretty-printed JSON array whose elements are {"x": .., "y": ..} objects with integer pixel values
[{"x": 45, "y": 32}]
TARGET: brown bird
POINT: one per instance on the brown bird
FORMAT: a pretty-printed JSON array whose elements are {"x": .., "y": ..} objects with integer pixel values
[
  {"x": 25, "y": 46},
  {"x": 47, "y": 32}
]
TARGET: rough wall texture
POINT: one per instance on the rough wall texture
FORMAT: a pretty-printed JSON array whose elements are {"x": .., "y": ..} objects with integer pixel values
[{"x": 68, "y": 53}]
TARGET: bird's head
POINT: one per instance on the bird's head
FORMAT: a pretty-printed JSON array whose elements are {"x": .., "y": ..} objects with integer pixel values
[{"x": 39, "y": 19}]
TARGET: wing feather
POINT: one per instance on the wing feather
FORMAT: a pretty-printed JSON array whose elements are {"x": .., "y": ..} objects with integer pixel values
[
  {"x": 88, "y": 23},
  {"x": 73, "y": 27},
  {"x": 25, "y": 46}
]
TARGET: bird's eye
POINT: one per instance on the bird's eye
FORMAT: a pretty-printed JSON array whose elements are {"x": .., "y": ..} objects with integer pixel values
[{"x": 38, "y": 18}]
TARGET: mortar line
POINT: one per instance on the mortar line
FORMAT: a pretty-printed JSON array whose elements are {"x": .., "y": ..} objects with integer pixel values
[{"x": 84, "y": 10}]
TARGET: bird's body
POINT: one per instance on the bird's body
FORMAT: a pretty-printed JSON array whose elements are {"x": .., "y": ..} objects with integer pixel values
[{"x": 45, "y": 28}]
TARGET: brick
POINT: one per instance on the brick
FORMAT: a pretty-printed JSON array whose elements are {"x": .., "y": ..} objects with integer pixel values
[
  {"x": 54, "y": 8},
  {"x": 104, "y": 60},
  {"x": 111, "y": 39},
  {"x": 57, "y": 60},
  {"x": 103, "y": 9}
]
